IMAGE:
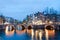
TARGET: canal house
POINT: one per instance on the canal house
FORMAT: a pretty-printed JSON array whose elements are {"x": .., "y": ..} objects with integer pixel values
[{"x": 1, "y": 21}]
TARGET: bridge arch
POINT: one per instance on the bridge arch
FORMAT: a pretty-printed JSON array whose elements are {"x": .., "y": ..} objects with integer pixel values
[
  {"x": 20, "y": 27},
  {"x": 29, "y": 27},
  {"x": 49, "y": 27},
  {"x": 9, "y": 27}
]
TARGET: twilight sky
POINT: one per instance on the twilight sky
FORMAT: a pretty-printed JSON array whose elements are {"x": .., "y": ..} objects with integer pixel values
[{"x": 18, "y": 9}]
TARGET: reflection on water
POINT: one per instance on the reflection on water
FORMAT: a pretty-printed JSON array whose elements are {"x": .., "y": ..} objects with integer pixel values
[
  {"x": 20, "y": 32},
  {"x": 7, "y": 32},
  {"x": 40, "y": 34},
  {"x": 30, "y": 34},
  {"x": 46, "y": 34},
  {"x": 49, "y": 33},
  {"x": 36, "y": 35}
]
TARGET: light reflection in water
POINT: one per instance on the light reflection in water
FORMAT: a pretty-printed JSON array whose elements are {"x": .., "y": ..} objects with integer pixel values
[
  {"x": 36, "y": 34},
  {"x": 46, "y": 34},
  {"x": 9, "y": 33},
  {"x": 29, "y": 31},
  {"x": 19, "y": 32},
  {"x": 49, "y": 33},
  {"x": 40, "y": 35},
  {"x": 32, "y": 34}
]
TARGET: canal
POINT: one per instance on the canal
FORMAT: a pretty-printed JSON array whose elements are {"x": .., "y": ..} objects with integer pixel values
[{"x": 30, "y": 35}]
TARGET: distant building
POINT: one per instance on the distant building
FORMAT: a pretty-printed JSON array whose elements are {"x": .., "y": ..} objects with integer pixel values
[
  {"x": 58, "y": 18},
  {"x": 1, "y": 21},
  {"x": 7, "y": 19},
  {"x": 40, "y": 16},
  {"x": 51, "y": 17}
]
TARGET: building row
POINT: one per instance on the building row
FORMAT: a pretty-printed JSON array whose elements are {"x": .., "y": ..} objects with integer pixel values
[
  {"x": 5, "y": 20},
  {"x": 43, "y": 17}
]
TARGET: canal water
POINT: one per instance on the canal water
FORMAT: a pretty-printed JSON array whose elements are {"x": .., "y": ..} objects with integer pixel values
[{"x": 30, "y": 35}]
